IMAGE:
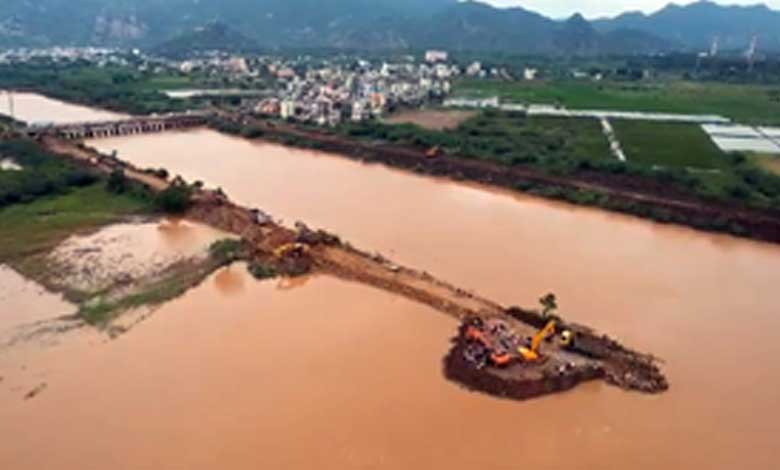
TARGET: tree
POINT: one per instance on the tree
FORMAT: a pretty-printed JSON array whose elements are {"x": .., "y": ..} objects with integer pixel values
[
  {"x": 549, "y": 304},
  {"x": 174, "y": 200},
  {"x": 117, "y": 183}
]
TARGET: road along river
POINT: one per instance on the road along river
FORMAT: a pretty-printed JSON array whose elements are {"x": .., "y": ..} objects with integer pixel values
[{"x": 240, "y": 374}]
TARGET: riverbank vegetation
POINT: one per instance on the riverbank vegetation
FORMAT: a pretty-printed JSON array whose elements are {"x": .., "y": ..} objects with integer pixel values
[
  {"x": 738, "y": 198},
  {"x": 117, "y": 88},
  {"x": 676, "y": 156},
  {"x": 36, "y": 227},
  {"x": 39, "y": 173},
  {"x": 747, "y": 104},
  {"x": 51, "y": 199},
  {"x": 506, "y": 137}
]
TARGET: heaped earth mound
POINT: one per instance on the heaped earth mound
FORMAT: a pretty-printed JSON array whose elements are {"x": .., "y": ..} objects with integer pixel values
[{"x": 523, "y": 355}]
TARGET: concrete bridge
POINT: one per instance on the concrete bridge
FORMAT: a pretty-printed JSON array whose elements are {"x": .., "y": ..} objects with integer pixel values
[{"x": 132, "y": 126}]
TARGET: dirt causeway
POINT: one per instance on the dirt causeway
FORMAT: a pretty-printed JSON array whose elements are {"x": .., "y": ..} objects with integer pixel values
[{"x": 322, "y": 252}]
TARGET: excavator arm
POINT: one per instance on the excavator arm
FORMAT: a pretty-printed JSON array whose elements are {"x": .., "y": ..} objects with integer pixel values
[
  {"x": 548, "y": 330},
  {"x": 532, "y": 353}
]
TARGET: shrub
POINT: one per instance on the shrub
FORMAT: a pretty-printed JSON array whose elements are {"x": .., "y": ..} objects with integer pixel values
[
  {"x": 174, "y": 200},
  {"x": 117, "y": 182},
  {"x": 262, "y": 271}
]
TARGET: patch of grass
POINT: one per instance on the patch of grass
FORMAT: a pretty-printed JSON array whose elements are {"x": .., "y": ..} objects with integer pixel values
[
  {"x": 669, "y": 145},
  {"x": 226, "y": 251},
  {"x": 770, "y": 163},
  {"x": 165, "y": 82},
  {"x": 38, "y": 226},
  {"x": 99, "y": 312},
  {"x": 750, "y": 104}
]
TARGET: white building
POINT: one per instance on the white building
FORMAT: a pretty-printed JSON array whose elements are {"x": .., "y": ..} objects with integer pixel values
[
  {"x": 359, "y": 111},
  {"x": 436, "y": 56},
  {"x": 474, "y": 69},
  {"x": 287, "y": 109},
  {"x": 530, "y": 74}
]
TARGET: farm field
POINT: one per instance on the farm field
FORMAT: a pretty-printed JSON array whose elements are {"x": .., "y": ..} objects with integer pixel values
[
  {"x": 749, "y": 104},
  {"x": 668, "y": 145}
]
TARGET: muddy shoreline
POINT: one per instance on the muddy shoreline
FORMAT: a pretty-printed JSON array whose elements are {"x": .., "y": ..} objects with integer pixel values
[{"x": 626, "y": 194}]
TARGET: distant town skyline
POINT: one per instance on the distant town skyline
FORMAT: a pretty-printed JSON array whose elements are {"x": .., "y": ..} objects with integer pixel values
[{"x": 599, "y": 8}]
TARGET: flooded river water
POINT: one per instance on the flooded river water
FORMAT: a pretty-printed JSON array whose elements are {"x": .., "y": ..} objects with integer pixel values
[
  {"x": 36, "y": 109},
  {"x": 327, "y": 374}
]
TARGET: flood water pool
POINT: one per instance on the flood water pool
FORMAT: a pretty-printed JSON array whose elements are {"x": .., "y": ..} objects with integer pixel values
[{"x": 328, "y": 374}]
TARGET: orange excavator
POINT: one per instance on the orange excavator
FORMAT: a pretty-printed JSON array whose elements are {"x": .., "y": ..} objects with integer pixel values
[
  {"x": 498, "y": 356},
  {"x": 433, "y": 152},
  {"x": 499, "y": 344}
]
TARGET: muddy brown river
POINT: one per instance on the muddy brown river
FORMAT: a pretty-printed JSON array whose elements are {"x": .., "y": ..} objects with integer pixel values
[
  {"x": 36, "y": 109},
  {"x": 327, "y": 374}
]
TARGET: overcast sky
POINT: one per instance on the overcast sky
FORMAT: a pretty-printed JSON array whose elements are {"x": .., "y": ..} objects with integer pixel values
[{"x": 596, "y": 8}]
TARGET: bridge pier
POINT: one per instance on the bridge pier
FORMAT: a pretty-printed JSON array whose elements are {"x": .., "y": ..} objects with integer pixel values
[{"x": 132, "y": 126}]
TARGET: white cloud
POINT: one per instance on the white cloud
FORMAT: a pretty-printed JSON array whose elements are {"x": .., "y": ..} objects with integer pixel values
[{"x": 597, "y": 8}]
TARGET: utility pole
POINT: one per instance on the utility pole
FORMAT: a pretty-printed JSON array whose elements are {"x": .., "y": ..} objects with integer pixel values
[
  {"x": 751, "y": 53},
  {"x": 714, "y": 47}
]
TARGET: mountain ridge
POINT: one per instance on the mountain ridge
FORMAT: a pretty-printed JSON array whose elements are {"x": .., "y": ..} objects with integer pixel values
[{"x": 383, "y": 24}]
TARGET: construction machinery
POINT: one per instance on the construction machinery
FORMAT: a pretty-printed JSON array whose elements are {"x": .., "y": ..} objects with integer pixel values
[
  {"x": 291, "y": 249},
  {"x": 567, "y": 339},
  {"x": 531, "y": 354},
  {"x": 494, "y": 342}
]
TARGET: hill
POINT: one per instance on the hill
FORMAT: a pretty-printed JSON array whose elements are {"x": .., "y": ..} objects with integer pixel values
[
  {"x": 695, "y": 26},
  {"x": 214, "y": 36},
  {"x": 375, "y": 24}
]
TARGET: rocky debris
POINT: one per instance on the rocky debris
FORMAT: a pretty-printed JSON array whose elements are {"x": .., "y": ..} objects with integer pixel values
[
  {"x": 315, "y": 237},
  {"x": 261, "y": 218}
]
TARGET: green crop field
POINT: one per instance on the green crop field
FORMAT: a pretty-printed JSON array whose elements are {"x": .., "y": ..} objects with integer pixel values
[
  {"x": 750, "y": 104},
  {"x": 668, "y": 145}
]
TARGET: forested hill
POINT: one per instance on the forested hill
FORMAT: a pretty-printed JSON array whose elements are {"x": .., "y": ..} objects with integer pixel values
[{"x": 374, "y": 24}]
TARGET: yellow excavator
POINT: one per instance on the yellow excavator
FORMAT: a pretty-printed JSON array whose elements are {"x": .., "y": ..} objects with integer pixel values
[
  {"x": 290, "y": 248},
  {"x": 532, "y": 354}
]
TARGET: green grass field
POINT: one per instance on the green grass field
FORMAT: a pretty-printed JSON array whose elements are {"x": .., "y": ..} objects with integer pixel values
[
  {"x": 749, "y": 104},
  {"x": 503, "y": 137},
  {"x": 28, "y": 229},
  {"x": 669, "y": 145},
  {"x": 540, "y": 137}
]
